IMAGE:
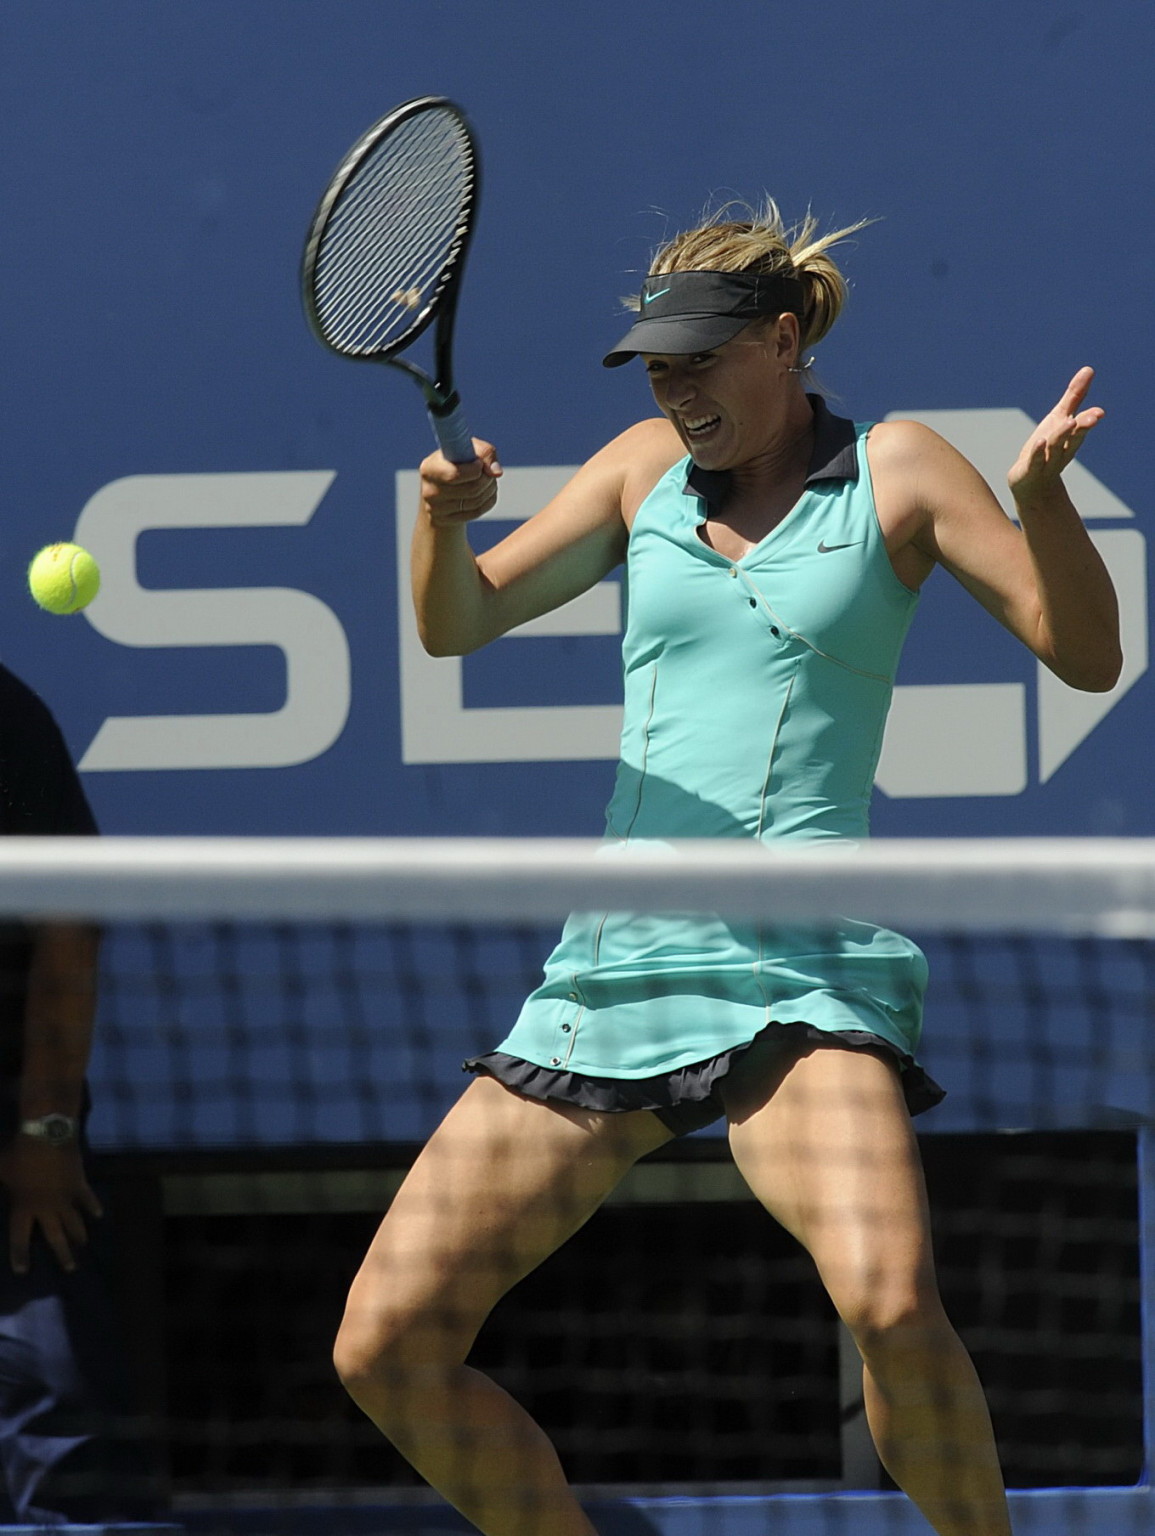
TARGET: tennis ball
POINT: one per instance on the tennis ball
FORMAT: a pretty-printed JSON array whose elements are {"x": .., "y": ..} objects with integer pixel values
[{"x": 64, "y": 578}]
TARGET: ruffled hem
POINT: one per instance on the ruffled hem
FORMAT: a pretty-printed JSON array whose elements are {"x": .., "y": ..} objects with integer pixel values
[{"x": 693, "y": 1084}]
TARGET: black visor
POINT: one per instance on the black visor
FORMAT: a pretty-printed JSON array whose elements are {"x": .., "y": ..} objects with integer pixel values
[{"x": 685, "y": 312}]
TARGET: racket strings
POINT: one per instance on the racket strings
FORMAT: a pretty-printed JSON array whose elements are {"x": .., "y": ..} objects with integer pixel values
[
  {"x": 369, "y": 293},
  {"x": 366, "y": 283},
  {"x": 420, "y": 212},
  {"x": 393, "y": 234}
]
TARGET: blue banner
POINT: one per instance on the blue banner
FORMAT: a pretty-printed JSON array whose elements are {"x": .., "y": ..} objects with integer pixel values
[{"x": 249, "y": 666}]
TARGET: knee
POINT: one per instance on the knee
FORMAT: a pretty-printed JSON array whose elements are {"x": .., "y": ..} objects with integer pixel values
[
  {"x": 360, "y": 1360},
  {"x": 370, "y": 1349},
  {"x": 898, "y": 1320},
  {"x": 383, "y": 1351}
]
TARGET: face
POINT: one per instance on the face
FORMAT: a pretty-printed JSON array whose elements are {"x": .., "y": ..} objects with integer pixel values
[{"x": 726, "y": 404}]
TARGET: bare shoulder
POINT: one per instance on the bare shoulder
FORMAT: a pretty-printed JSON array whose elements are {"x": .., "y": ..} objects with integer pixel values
[
  {"x": 654, "y": 435},
  {"x": 921, "y": 483},
  {"x": 900, "y": 453},
  {"x": 649, "y": 442},
  {"x": 896, "y": 446},
  {"x": 611, "y": 485},
  {"x": 642, "y": 454},
  {"x": 934, "y": 505},
  {"x": 599, "y": 501},
  {"x": 914, "y": 469}
]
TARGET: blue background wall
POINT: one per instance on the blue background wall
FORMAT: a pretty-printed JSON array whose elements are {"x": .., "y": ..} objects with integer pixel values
[{"x": 161, "y": 165}]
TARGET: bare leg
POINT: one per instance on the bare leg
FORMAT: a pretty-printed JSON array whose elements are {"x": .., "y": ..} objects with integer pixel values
[
  {"x": 829, "y": 1150},
  {"x": 500, "y": 1185}
]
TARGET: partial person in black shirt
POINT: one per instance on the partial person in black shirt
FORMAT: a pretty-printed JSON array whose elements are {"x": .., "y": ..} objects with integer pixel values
[{"x": 67, "y": 1447}]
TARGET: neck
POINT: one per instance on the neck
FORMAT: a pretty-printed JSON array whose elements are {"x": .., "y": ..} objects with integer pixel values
[{"x": 786, "y": 454}]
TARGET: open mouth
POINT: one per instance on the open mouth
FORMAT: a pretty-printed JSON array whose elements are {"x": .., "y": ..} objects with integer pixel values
[{"x": 700, "y": 427}]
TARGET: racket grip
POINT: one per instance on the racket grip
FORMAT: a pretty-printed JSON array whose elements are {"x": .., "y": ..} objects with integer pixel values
[{"x": 453, "y": 436}]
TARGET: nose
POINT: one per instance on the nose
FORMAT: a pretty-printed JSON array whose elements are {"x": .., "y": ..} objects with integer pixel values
[{"x": 678, "y": 387}]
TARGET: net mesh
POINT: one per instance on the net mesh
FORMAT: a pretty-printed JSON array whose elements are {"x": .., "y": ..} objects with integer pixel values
[{"x": 281, "y": 1026}]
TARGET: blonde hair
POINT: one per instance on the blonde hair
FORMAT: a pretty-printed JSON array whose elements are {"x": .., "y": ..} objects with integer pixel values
[{"x": 761, "y": 242}]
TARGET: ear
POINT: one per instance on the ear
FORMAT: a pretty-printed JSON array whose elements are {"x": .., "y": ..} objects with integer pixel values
[{"x": 786, "y": 339}]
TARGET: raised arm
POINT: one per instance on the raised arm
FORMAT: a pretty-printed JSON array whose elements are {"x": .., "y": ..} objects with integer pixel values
[
  {"x": 1043, "y": 579},
  {"x": 465, "y": 600}
]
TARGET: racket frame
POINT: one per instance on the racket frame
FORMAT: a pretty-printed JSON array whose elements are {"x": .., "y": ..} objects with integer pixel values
[{"x": 441, "y": 398}]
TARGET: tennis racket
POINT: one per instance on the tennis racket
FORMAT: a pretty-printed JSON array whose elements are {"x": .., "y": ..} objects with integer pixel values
[{"x": 387, "y": 246}]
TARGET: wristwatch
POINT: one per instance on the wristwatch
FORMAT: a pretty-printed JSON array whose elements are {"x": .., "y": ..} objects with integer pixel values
[{"x": 54, "y": 1129}]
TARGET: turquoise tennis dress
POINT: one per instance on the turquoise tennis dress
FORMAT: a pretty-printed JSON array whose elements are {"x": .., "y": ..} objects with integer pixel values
[{"x": 756, "y": 693}]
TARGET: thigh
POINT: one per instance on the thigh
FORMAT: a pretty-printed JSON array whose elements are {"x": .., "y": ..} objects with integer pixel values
[
  {"x": 499, "y": 1186},
  {"x": 828, "y": 1148}
]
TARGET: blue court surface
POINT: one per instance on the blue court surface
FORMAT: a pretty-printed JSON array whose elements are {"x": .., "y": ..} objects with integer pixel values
[
  {"x": 119, "y": 1529},
  {"x": 1047, "y": 1512}
]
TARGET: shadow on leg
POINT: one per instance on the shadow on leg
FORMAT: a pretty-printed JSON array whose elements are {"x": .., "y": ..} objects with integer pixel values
[
  {"x": 503, "y": 1182},
  {"x": 825, "y": 1142}
]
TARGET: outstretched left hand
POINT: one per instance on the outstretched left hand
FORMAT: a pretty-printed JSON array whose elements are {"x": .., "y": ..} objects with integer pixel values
[{"x": 1054, "y": 442}]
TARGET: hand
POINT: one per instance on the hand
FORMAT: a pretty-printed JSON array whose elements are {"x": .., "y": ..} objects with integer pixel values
[
  {"x": 453, "y": 494},
  {"x": 1054, "y": 442},
  {"x": 47, "y": 1189}
]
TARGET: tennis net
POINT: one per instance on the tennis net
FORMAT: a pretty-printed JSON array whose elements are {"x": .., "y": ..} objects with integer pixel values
[{"x": 283, "y": 1023}]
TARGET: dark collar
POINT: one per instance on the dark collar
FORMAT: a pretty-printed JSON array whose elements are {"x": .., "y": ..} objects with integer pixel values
[{"x": 834, "y": 456}]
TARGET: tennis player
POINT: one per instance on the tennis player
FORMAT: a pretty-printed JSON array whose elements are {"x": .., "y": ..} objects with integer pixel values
[{"x": 774, "y": 553}]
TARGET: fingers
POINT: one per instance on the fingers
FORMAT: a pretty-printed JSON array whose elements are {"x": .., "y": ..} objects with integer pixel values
[
  {"x": 63, "y": 1228},
  {"x": 1061, "y": 443},
  {"x": 63, "y": 1231},
  {"x": 1054, "y": 443},
  {"x": 1063, "y": 428},
  {"x": 88, "y": 1199},
  {"x": 1067, "y": 434},
  {"x": 1048, "y": 453},
  {"x": 438, "y": 469},
  {"x": 1076, "y": 390},
  {"x": 1069, "y": 415},
  {"x": 458, "y": 493},
  {"x": 19, "y": 1240}
]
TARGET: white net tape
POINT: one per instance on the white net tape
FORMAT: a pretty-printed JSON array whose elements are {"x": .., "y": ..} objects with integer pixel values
[{"x": 1103, "y": 887}]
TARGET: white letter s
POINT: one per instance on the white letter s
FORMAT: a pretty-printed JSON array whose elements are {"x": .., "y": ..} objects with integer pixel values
[{"x": 303, "y": 628}]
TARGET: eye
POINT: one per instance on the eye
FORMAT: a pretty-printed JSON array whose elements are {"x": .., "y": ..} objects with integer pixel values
[{"x": 702, "y": 359}]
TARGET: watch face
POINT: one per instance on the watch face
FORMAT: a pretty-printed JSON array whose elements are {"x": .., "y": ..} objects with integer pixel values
[{"x": 53, "y": 1128}]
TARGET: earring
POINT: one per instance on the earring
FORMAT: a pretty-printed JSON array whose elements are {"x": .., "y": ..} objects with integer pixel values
[{"x": 802, "y": 367}]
